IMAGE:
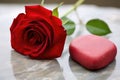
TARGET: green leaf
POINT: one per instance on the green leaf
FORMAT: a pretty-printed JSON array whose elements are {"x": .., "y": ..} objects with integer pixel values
[
  {"x": 55, "y": 10},
  {"x": 69, "y": 25},
  {"x": 98, "y": 27}
]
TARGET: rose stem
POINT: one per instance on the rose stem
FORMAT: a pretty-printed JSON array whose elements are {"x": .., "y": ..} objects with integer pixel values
[
  {"x": 42, "y": 2},
  {"x": 79, "y": 2}
]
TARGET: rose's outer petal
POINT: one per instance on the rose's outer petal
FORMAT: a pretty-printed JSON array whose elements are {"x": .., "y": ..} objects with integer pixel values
[
  {"x": 37, "y": 10},
  {"x": 56, "y": 49},
  {"x": 16, "y": 34},
  {"x": 16, "y": 21}
]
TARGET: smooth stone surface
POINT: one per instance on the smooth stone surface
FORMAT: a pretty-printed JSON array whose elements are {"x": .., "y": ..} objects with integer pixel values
[
  {"x": 27, "y": 69},
  {"x": 92, "y": 52}
]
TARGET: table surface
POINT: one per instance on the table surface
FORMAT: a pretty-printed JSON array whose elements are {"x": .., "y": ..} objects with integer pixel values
[{"x": 14, "y": 66}]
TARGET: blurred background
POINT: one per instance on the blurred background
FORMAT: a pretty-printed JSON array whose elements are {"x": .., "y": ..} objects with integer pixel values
[{"x": 110, "y": 3}]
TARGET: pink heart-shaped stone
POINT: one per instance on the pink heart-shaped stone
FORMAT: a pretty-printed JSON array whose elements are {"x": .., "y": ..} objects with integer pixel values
[{"x": 92, "y": 52}]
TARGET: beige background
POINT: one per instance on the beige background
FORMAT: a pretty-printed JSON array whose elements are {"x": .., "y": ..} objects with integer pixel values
[{"x": 114, "y": 3}]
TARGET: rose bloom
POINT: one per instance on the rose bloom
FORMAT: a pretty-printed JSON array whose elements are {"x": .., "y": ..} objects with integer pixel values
[{"x": 38, "y": 34}]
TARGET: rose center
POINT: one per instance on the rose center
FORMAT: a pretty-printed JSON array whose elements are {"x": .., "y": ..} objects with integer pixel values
[{"x": 35, "y": 38}]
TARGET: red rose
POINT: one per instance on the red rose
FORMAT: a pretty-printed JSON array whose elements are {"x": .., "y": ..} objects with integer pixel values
[{"x": 38, "y": 34}]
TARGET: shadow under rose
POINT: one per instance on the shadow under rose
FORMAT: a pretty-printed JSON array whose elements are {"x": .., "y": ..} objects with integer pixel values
[
  {"x": 28, "y": 69},
  {"x": 83, "y": 74}
]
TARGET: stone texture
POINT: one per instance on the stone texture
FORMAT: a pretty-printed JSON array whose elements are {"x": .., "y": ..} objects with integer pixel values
[{"x": 28, "y": 69}]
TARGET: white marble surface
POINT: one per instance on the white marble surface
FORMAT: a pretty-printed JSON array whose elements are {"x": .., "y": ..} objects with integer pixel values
[{"x": 14, "y": 66}]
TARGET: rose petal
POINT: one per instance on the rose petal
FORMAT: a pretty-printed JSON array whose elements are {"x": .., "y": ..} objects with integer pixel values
[
  {"x": 37, "y": 10},
  {"x": 17, "y": 20},
  {"x": 58, "y": 29},
  {"x": 39, "y": 50},
  {"x": 17, "y": 41},
  {"x": 48, "y": 28}
]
